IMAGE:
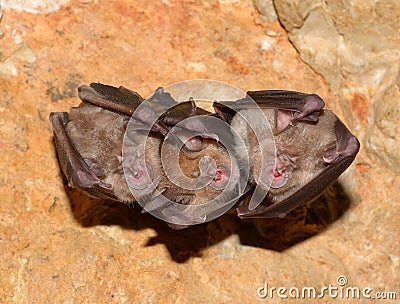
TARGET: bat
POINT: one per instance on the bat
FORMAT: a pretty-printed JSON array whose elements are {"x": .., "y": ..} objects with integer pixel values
[
  {"x": 305, "y": 149},
  {"x": 187, "y": 166},
  {"x": 107, "y": 153}
]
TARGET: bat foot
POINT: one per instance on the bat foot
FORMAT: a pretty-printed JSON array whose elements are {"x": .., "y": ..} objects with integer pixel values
[
  {"x": 86, "y": 179},
  {"x": 313, "y": 104}
]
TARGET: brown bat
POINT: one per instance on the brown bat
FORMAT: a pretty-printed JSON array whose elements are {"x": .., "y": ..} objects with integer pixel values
[
  {"x": 107, "y": 153},
  {"x": 303, "y": 152},
  {"x": 183, "y": 165}
]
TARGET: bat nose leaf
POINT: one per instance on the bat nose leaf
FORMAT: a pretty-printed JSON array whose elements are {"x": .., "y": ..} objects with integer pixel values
[
  {"x": 139, "y": 176},
  {"x": 221, "y": 178}
]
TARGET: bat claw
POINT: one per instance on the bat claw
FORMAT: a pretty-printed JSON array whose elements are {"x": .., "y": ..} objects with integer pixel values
[{"x": 313, "y": 104}]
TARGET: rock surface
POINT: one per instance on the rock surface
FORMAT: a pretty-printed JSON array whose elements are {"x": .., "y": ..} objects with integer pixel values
[
  {"x": 58, "y": 246},
  {"x": 355, "y": 46}
]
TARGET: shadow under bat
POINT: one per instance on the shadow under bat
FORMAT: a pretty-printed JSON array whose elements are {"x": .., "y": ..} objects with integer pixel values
[{"x": 277, "y": 234}]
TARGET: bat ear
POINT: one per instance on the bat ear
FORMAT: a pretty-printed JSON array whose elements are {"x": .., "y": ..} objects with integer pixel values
[
  {"x": 347, "y": 145},
  {"x": 191, "y": 132},
  {"x": 283, "y": 118},
  {"x": 191, "y": 142}
]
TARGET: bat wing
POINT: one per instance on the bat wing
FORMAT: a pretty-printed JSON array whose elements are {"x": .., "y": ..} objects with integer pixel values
[
  {"x": 89, "y": 144},
  {"x": 336, "y": 162},
  {"x": 73, "y": 165},
  {"x": 289, "y": 106},
  {"x": 120, "y": 99},
  {"x": 89, "y": 140},
  {"x": 297, "y": 112}
]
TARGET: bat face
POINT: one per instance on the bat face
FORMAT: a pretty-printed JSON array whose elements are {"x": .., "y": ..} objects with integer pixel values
[
  {"x": 296, "y": 159},
  {"x": 312, "y": 147},
  {"x": 200, "y": 178},
  {"x": 186, "y": 165}
]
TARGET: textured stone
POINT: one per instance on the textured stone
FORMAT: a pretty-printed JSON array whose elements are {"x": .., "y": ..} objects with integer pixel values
[
  {"x": 59, "y": 246},
  {"x": 266, "y": 9},
  {"x": 383, "y": 138},
  {"x": 34, "y": 6},
  {"x": 355, "y": 45}
]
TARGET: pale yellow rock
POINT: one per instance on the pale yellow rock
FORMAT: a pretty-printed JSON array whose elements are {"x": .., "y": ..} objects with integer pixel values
[
  {"x": 354, "y": 44},
  {"x": 383, "y": 137},
  {"x": 34, "y": 6}
]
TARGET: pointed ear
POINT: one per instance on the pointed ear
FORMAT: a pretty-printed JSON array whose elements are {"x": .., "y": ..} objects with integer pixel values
[
  {"x": 347, "y": 145},
  {"x": 283, "y": 118},
  {"x": 192, "y": 131}
]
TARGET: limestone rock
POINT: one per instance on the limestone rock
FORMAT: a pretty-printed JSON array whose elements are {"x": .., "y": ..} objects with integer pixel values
[
  {"x": 266, "y": 9},
  {"x": 383, "y": 137},
  {"x": 355, "y": 46},
  {"x": 44, "y": 6}
]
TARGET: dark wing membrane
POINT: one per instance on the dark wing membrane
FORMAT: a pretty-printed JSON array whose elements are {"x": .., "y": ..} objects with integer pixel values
[
  {"x": 182, "y": 111},
  {"x": 289, "y": 106},
  {"x": 287, "y": 100},
  {"x": 119, "y": 100},
  {"x": 74, "y": 167}
]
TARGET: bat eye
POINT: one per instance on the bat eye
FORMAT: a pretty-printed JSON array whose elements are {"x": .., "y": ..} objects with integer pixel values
[
  {"x": 139, "y": 176},
  {"x": 221, "y": 178}
]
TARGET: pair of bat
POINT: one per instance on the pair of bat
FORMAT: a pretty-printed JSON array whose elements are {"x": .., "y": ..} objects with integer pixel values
[{"x": 265, "y": 154}]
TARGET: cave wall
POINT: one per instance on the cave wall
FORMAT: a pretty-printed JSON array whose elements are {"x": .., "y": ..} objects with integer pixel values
[{"x": 59, "y": 246}]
